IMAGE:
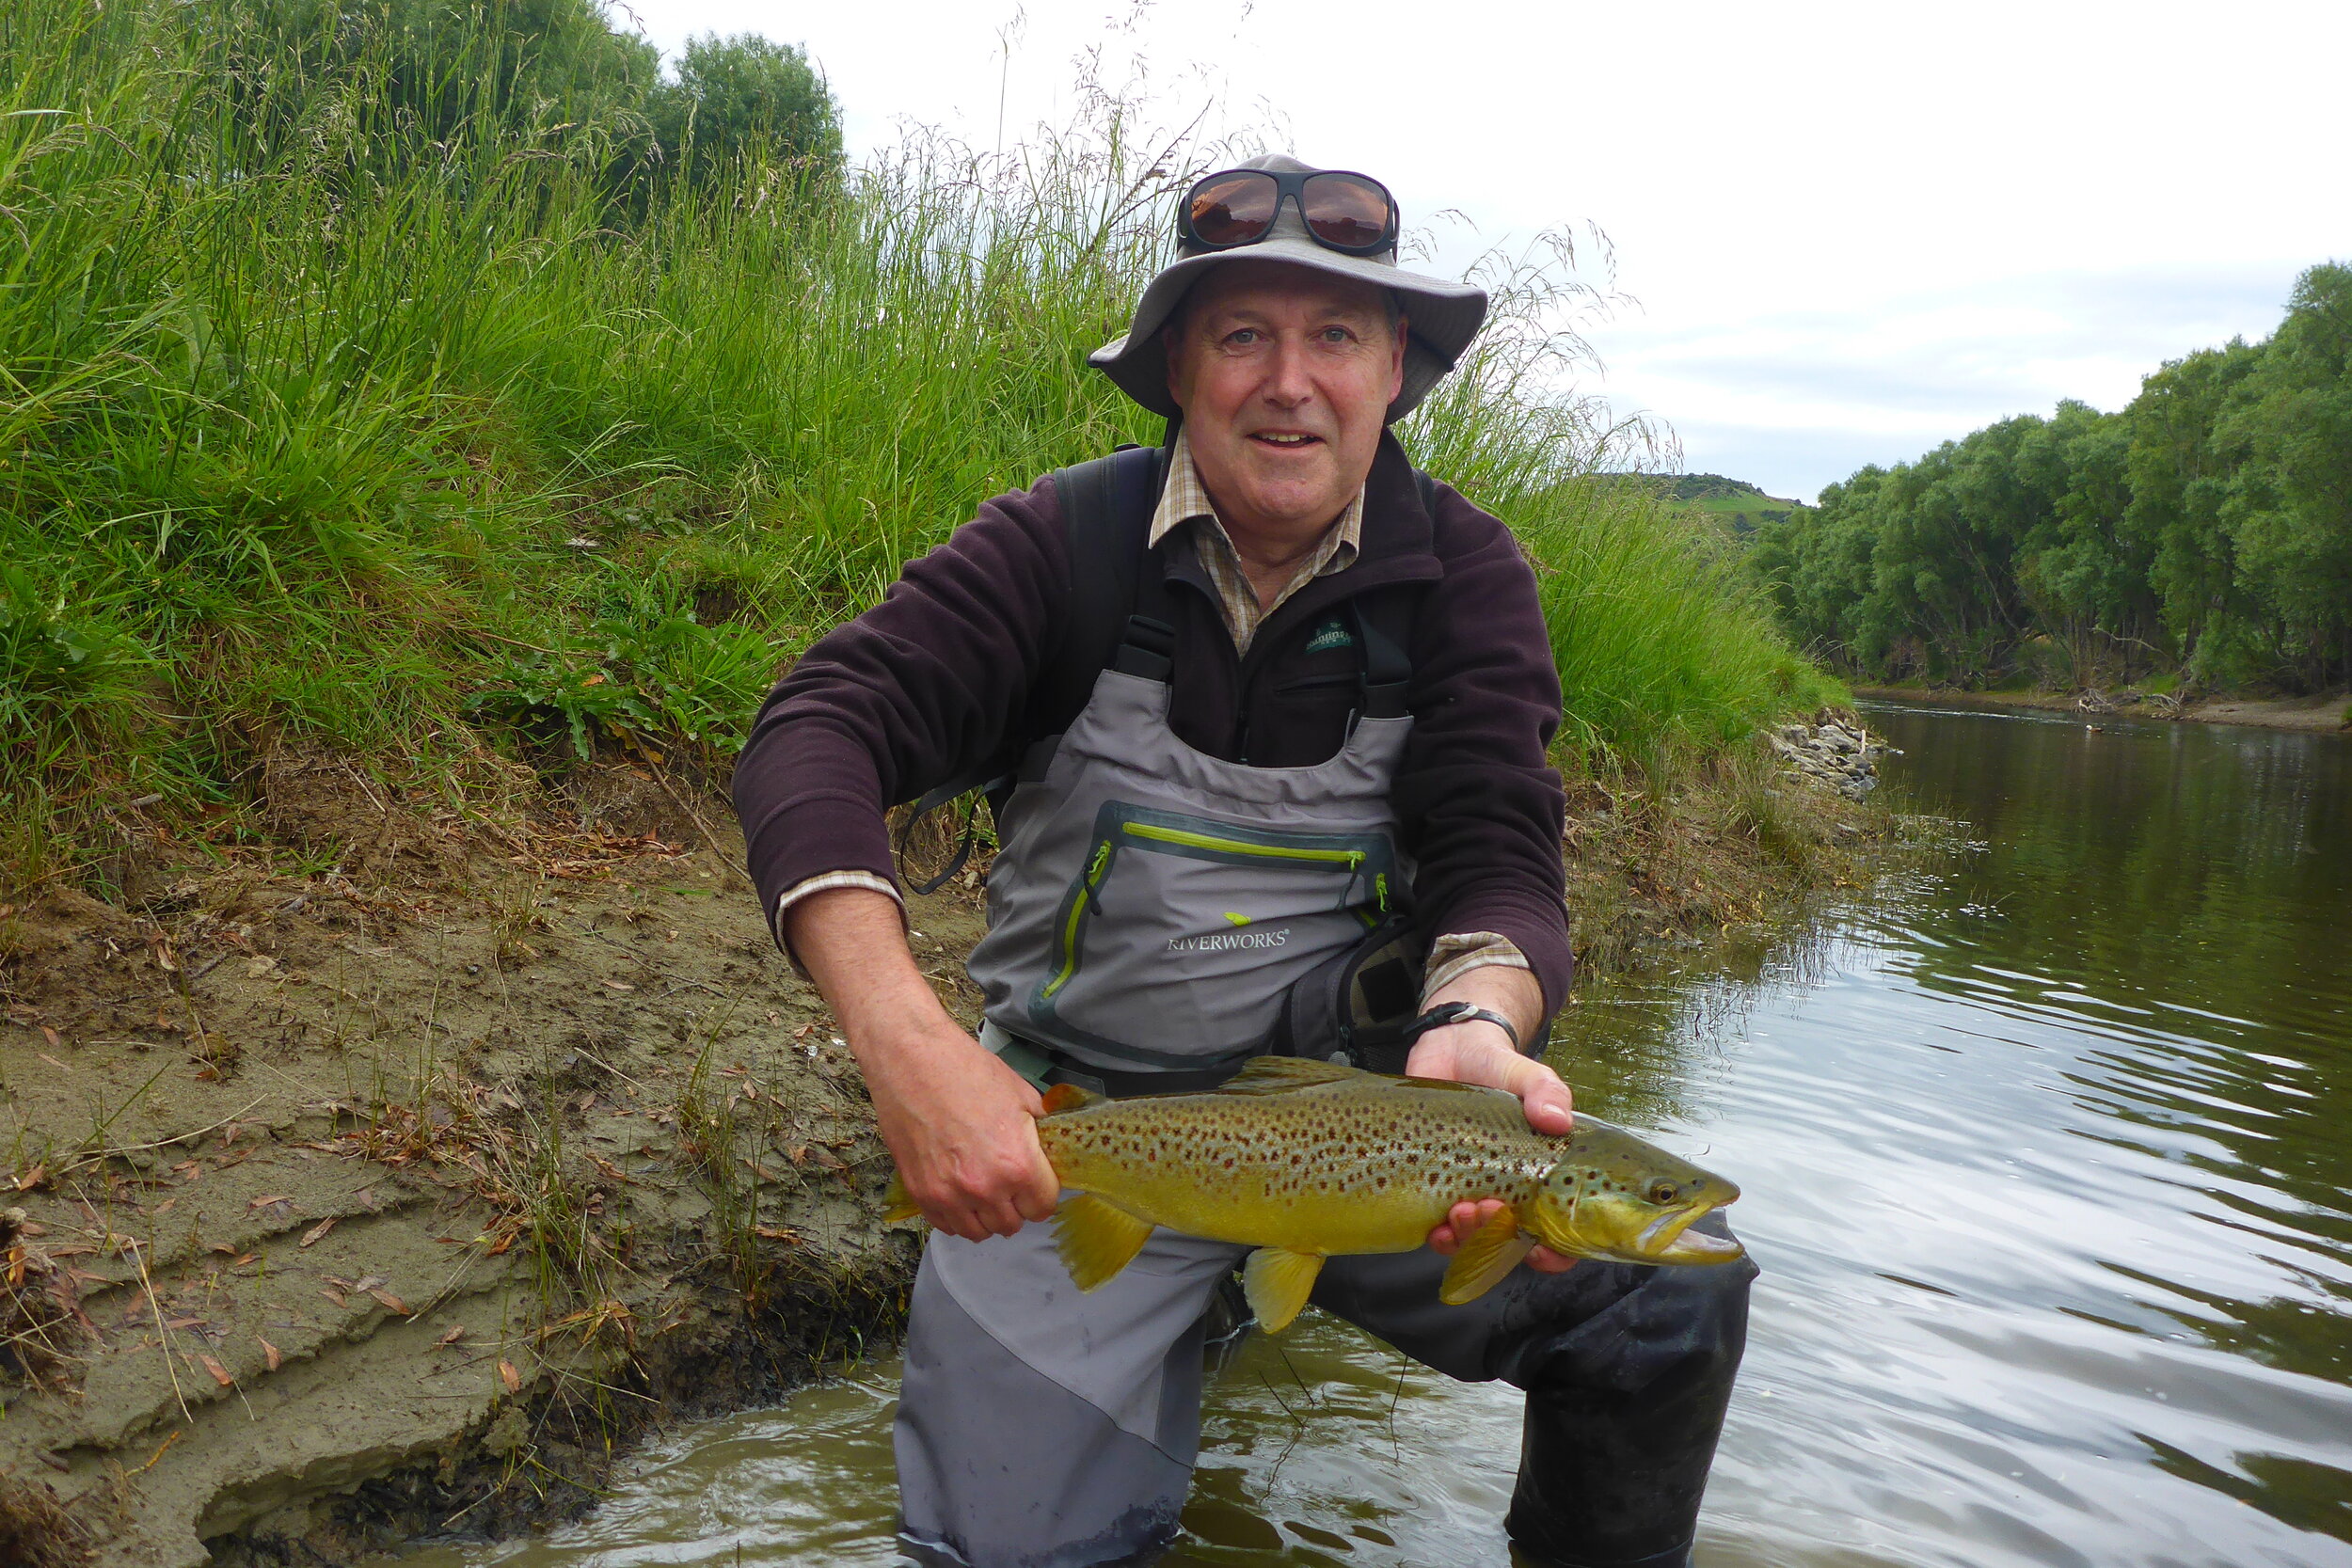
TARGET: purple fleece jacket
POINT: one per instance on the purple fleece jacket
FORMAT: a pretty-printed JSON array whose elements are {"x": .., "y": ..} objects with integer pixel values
[{"x": 933, "y": 679}]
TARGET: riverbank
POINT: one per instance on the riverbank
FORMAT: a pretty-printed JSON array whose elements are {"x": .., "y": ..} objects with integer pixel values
[
  {"x": 2326, "y": 715},
  {"x": 360, "y": 1206},
  {"x": 363, "y": 1205}
]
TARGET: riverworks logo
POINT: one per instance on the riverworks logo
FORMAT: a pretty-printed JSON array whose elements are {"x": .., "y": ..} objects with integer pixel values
[{"x": 1229, "y": 941}]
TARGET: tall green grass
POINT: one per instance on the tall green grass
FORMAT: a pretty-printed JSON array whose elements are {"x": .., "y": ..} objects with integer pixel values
[{"x": 315, "y": 429}]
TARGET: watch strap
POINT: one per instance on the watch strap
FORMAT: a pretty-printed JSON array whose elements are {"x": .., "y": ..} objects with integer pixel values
[{"x": 1446, "y": 1013}]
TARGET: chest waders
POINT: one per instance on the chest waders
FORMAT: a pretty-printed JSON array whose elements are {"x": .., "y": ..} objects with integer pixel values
[
  {"x": 1153, "y": 904},
  {"x": 1149, "y": 911}
]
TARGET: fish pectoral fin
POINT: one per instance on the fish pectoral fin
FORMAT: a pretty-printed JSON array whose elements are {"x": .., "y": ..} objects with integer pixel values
[
  {"x": 896, "y": 1204},
  {"x": 1069, "y": 1096},
  {"x": 1281, "y": 1074},
  {"x": 1493, "y": 1251},
  {"x": 1277, "y": 1281},
  {"x": 1096, "y": 1238}
]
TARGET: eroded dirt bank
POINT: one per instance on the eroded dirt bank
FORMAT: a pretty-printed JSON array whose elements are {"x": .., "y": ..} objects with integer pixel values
[
  {"x": 347, "y": 1211},
  {"x": 385, "y": 1182}
]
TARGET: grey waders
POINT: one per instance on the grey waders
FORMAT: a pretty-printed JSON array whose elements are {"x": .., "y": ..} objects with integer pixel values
[{"x": 1150, "y": 908}]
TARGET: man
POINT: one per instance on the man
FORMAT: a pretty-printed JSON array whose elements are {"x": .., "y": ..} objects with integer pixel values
[{"x": 1331, "y": 701}]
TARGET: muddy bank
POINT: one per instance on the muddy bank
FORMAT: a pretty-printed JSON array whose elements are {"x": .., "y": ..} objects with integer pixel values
[
  {"x": 348, "y": 1211},
  {"x": 359, "y": 1199},
  {"x": 2312, "y": 715}
]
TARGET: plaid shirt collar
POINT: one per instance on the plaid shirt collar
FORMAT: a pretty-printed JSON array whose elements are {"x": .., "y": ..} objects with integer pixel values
[{"x": 1185, "y": 501}]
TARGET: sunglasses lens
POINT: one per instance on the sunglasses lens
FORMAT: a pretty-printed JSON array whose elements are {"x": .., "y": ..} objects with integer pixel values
[
  {"x": 1347, "y": 209},
  {"x": 1233, "y": 208}
]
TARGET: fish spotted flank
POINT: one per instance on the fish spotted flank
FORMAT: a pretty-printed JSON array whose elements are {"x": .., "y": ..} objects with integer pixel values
[{"x": 1307, "y": 1160}]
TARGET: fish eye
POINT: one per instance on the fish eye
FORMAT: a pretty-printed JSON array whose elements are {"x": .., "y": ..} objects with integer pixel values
[{"x": 1664, "y": 1192}]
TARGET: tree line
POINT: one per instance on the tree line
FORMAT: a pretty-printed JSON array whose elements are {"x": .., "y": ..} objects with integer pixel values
[
  {"x": 2203, "y": 530},
  {"x": 445, "y": 73}
]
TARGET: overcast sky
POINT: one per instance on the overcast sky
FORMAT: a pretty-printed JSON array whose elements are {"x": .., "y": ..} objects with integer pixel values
[{"x": 1854, "y": 230}]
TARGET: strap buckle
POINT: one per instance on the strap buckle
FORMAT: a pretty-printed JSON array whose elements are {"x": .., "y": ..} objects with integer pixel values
[{"x": 1149, "y": 649}]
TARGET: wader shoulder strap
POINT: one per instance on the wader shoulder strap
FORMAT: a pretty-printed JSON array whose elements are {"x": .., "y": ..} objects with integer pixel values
[
  {"x": 1383, "y": 622},
  {"x": 1106, "y": 509},
  {"x": 1382, "y": 627}
]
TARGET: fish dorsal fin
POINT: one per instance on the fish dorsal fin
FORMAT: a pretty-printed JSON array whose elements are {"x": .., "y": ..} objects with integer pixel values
[
  {"x": 1277, "y": 1281},
  {"x": 1281, "y": 1074},
  {"x": 1493, "y": 1251},
  {"x": 1096, "y": 1238}
]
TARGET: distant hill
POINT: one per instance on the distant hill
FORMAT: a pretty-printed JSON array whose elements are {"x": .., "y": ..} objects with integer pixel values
[{"x": 1740, "y": 506}]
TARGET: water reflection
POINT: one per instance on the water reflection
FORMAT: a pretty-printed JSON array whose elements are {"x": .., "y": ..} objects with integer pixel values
[{"x": 2048, "y": 1161}]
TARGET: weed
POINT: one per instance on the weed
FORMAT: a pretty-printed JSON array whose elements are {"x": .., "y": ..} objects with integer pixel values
[
  {"x": 36, "y": 1530},
  {"x": 520, "y": 913},
  {"x": 510, "y": 1157},
  {"x": 38, "y": 1331},
  {"x": 1759, "y": 802},
  {"x": 724, "y": 1145}
]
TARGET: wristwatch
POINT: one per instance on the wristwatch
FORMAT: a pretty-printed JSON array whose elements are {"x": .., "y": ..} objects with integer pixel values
[{"x": 1459, "y": 1012}]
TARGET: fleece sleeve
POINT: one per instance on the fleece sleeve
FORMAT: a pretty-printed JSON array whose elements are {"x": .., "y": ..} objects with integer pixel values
[
  {"x": 1482, "y": 807},
  {"x": 909, "y": 694}
]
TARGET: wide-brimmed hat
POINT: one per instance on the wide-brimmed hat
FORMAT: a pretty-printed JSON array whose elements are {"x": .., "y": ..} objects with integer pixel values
[{"x": 1441, "y": 318}]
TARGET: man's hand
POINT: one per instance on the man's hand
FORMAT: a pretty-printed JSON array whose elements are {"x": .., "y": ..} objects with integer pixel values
[
  {"x": 1476, "y": 1051},
  {"x": 962, "y": 1128},
  {"x": 961, "y": 1124}
]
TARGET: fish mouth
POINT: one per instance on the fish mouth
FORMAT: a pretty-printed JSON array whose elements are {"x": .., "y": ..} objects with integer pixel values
[{"x": 1662, "y": 1240}]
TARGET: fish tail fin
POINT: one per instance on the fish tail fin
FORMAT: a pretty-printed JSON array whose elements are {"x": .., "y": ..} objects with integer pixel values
[
  {"x": 897, "y": 1205},
  {"x": 1096, "y": 1238},
  {"x": 1493, "y": 1251},
  {"x": 1068, "y": 1097},
  {"x": 1277, "y": 1281}
]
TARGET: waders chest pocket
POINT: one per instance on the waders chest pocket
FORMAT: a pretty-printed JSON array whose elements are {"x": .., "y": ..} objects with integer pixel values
[{"x": 1195, "y": 927}]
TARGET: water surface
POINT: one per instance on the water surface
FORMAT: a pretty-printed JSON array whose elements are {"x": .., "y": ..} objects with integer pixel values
[{"x": 2047, "y": 1149}]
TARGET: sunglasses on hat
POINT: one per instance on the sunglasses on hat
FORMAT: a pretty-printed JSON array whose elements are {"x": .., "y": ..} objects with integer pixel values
[{"x": 1352, "y": 214}]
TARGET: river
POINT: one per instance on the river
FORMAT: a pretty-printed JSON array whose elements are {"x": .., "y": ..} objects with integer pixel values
[{"x": 2047, "y": 1149}]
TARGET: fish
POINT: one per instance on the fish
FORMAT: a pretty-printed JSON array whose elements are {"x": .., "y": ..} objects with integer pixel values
[{"x": 1306, "y": 1160}]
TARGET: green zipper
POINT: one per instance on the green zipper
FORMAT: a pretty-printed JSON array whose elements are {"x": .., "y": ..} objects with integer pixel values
[
  {"x": 1095, "y": 869},
  {"x": 1349, "y": 858}
]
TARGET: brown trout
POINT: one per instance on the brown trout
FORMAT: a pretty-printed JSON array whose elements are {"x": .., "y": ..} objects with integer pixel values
[{"x": 1307, "y": 1159}]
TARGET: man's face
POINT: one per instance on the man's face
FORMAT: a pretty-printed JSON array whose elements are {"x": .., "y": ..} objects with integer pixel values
[{"x": 1285, "y": 376}]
